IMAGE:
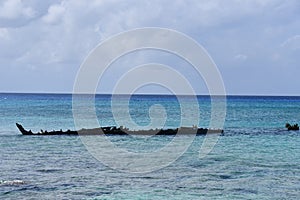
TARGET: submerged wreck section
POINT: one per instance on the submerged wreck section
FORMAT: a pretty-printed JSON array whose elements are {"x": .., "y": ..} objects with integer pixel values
[{"x": 113, "y": 130}]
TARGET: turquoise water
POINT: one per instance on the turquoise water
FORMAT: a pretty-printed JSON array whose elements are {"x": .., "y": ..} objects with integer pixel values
[{"x": 256, "y": 158}]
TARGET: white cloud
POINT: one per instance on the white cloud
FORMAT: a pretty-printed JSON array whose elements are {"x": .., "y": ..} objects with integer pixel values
[
  {"x": 4, "y": 34},
  {"x": 55, "y": 13},
  {"x": 12, "y": 9},
  {"x": 292, "y": 42},
  {"x": 240, "y": 57},
  {"x": 80, "y": 26}
]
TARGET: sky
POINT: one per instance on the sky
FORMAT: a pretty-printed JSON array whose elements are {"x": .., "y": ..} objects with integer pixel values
[{"x": 254, "y": 43}]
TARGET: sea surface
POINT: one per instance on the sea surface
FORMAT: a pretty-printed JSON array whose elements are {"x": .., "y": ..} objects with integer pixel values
[{"x": 255, "y": 158}]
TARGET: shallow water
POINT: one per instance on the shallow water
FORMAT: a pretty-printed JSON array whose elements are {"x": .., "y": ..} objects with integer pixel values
[{"x": 254, "y": 159}]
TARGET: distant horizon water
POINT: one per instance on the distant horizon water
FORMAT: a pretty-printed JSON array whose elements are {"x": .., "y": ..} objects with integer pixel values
[{"x": 38, "y": 105}]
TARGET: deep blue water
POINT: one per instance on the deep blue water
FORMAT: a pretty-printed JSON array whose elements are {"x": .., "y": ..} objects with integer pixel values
[{"x": 256, "y": 158}]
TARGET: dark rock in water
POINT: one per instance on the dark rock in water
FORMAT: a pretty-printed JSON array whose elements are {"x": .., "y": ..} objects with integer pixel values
[
  {"x": 290, "y": 127},
  {"x": 113, "y": 130}
]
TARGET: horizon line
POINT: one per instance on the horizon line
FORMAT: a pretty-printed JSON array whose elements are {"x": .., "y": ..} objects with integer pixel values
[{"x": 158, "y": 94}]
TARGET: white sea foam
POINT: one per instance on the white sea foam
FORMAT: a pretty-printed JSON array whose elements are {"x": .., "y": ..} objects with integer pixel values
[{"x": 12, "y": 182}]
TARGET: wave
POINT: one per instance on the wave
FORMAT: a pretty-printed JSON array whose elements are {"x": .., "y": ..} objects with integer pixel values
[{"x": 257, "y": 131}]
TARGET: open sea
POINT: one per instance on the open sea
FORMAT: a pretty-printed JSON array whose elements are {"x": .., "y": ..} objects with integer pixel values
[{"x": 255, "y": 158}]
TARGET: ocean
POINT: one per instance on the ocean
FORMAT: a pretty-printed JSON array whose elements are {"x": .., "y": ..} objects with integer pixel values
[{"x": 255, "y": 157}]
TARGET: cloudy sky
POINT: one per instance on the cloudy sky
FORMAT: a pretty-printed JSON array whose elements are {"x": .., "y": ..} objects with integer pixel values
[{"x": 254, "y": 43}]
